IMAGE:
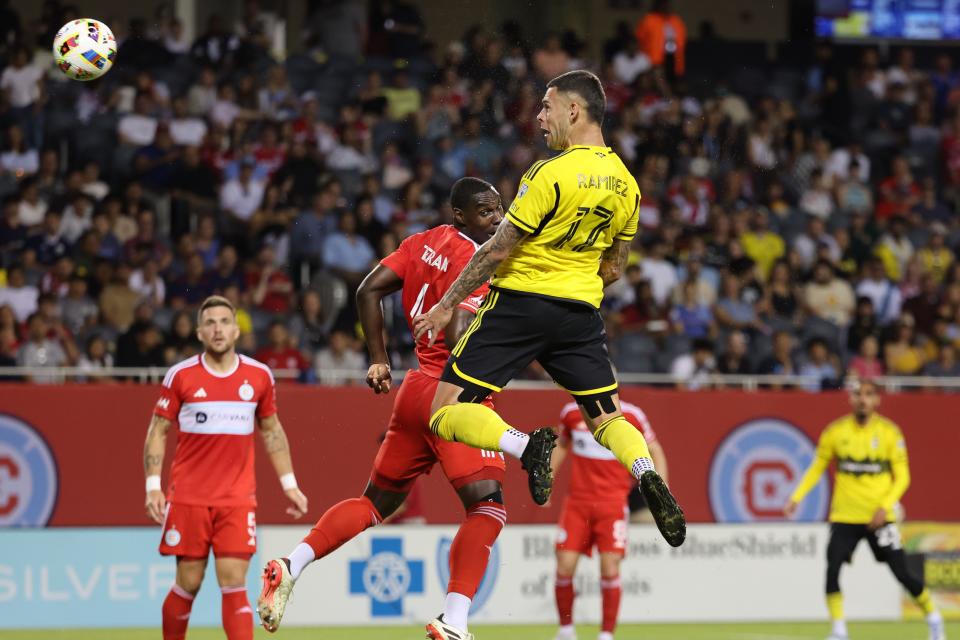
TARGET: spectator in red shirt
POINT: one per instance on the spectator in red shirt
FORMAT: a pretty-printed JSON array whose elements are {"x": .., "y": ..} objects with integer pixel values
[
  {"x": 899, "y": 193},
  {"x": 280, "y": 353},
  {"x": 270, "y": 287}
]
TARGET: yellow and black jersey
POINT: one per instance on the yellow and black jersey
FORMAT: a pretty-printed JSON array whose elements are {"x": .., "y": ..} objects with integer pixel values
[
  {"x": 872, "y": 470},
  {"x": 572, "y": 206}
]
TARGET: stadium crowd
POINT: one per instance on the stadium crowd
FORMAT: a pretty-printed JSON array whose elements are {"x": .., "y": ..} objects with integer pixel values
[{"x": 799, "y": 217}]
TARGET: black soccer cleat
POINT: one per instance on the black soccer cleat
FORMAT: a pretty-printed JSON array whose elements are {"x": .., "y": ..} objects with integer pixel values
[
  {"x": 663, "y": 506},
  {"x": 536, "y": 462}
]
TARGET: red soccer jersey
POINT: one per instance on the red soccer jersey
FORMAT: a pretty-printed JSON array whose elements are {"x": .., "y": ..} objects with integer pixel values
[
  {"x": 428, "y": 263},
  {"x": 215, "y": 415},
  {"x": 288, "y": 358},
  {"x": 597, "y": 474}
]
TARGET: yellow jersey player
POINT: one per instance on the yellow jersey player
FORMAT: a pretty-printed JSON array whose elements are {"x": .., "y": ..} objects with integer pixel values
[
  {"x": 565, "y": 237},
  {"x": 872, "y": 473}
]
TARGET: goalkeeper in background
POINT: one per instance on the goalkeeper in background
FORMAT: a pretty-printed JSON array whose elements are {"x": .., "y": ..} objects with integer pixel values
[{"x": 872, "y": 474}]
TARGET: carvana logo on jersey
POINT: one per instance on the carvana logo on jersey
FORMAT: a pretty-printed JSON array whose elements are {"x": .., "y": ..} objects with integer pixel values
[
  {"x": 757, "y": 467},
  {"x": 386, "y": 577},
  {"x": 489, "y": 576},
  {"x": 28, "y": 475}
]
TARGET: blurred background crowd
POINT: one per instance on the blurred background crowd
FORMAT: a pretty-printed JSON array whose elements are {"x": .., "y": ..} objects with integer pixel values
[{"x": 799, "y": 212}]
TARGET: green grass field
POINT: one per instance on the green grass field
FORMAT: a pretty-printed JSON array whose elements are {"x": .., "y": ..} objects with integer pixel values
[{"x": 785, "y": 631}]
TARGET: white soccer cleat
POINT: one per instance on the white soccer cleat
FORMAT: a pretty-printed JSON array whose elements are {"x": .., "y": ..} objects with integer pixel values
[
  {"x": 440, "y": 630},
  {"x": 277, "y": 587},
  {"x": 834, "y": 636},
  {"x": 938, "y": 630},
  {"x": 566, "y": 633}
]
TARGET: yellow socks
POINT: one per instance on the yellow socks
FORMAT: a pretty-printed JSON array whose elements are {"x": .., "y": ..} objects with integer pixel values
[
  {"x": 627, "y": 443},
  {"x": 835, "y": 605},
  {"x": 925, "y": 602},
  {"x": 473, "y": 424}
]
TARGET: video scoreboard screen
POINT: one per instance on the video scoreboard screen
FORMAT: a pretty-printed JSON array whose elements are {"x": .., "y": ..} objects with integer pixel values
[{"x": 898, "y": 19}]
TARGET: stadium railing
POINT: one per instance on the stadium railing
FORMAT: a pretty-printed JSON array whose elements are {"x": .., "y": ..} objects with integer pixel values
[{"x": 153, "y": 375}]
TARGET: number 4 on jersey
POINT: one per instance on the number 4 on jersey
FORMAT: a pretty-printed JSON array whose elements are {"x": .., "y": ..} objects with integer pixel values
[{"x": 418, "y": 305}]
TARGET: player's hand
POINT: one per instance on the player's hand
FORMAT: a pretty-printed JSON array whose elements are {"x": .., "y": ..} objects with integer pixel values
[
  {"x": 155, "y": 505},
  {"x": 790, "y": 509},
  {"x": 431, "y": 323},
  {"x": 299, "y": 502},
  {"x": 879, "y": 519},
  {"x": 378, "y": 377}
]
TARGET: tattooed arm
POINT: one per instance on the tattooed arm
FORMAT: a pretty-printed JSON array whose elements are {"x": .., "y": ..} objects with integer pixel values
[
  {"x": 275, "y": 442},
  {"x": 613, "y": 261},
  {"x": 484, "y": 262},
  {"x": 153, "y": 450}
]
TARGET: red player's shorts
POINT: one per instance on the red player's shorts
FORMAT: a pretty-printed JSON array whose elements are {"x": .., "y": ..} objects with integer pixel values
[
  {"x": 584, "y": 525},
  {"x": 411, "y": 449},
  {"x": 191, "y": 530}
]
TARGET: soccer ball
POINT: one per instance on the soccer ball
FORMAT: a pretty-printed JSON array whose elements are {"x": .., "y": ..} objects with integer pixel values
[{"x": 84, "y": 49}]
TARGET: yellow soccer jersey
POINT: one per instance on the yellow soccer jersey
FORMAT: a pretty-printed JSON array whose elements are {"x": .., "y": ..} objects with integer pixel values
[
  {"x": 872, "y": 468},
  {"x": 572, "y": 207}
]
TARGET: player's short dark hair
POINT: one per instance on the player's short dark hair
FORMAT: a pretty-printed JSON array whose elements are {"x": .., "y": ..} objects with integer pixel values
[
  {"x": 215, "y": 301},
  {"x": 464, "y": 190},
  {"x": 586, "y": 85}
]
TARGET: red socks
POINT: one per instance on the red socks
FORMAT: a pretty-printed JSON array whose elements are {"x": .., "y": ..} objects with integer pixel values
[
  {"x": 176, "y": 613},
  {"x": 237, "y": 613},
  {"x": 611, "y": 591},
  {"x": 340, "y": 523},
  {"x": 563, "y": 590},
  {"x": 470, "y": 550}
]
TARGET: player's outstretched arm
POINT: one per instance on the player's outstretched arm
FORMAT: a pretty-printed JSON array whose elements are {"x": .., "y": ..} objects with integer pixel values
[
  {"x": 900, "y": 466},
  {"x": 153, "y": 450},
  {"x": 378, "y": 284},
  {"x": 481, "y": 266},
  {"x": 613, "y": 262},
  {"x": 821, "y": 460},
  {"x": 275, "y": 442}
]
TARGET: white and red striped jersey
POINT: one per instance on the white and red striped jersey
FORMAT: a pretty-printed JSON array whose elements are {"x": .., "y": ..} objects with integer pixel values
[
  {"x": 597, "y": 475},
  {"x": 215, "y": 415}
]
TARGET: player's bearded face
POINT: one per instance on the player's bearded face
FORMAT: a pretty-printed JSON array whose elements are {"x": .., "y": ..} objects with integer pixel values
[{"x": 218, "y": 330}]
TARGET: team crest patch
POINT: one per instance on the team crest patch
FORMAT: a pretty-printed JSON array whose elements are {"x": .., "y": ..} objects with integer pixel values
[
  {"x": 172, "y": 537},
  {"x": 522, "y": 191},
  {"x": 246, "y": 391}
]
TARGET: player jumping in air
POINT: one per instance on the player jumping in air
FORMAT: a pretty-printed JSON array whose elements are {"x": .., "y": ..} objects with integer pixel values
[
  {"x": 215, "y": 399},
  {"x": 595, "y": 513},
  {"x": 423, "y": 267},
  {"x": 565, "y": 237},
  {"x": 872, "y": 475}
]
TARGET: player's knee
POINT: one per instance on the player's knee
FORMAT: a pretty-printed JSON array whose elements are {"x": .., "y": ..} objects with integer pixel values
[
  {"x": 190, "y": 581},
  {"x": 833, "y": 577},
  {"x": 385, "y": 502},
  {"x": 609, "y": 566},
  {"x": 190, "y": 573},
  {"x": 566, "y": 564},
  {"x": 447, "y": 394},
  {"x": 480, "y": 492},
  {"x": 597, "y": 404}
]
